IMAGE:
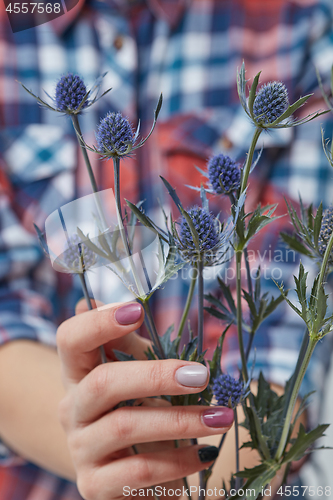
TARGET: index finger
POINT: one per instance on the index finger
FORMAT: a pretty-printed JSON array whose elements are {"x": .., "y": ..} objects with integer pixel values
[{"x": 80, "y": 337}]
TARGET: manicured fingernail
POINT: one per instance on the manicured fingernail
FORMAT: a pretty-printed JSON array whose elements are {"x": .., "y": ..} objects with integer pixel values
[
  {"x": 208, "y": 454},
  {"x": 218, "y": 417},
  {"x": 128, "y": 314},
  {"x": 192, "y": 375}
]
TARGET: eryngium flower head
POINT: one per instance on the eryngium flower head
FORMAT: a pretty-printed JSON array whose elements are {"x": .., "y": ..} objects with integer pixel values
[
  {"x": 270, "y": 102},
  {"x": 326, "y": 231},
  {"x": 224, "y": 174},
  {"x": 69, "y": 94},
  {"x": 208, "y": 232},
  {"x": 114, "y": 136},
  {"x": 78, "y": 257},
  {"x": 227, "y": 390}
]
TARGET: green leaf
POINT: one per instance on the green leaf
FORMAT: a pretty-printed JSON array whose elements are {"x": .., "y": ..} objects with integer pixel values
[
  {"x": 173, "y": 194},
  {"x": 194, "y": 232},
  {"x": 204, "y": 200},
  {"x": 295, "y": 244},
  {"x": 241, "y": 87},
  {"x": 90, "y": 244},
  {"x": 280, "y": 287},
  {"x": 146, "y": 221},
  {"x": 252, "y": 94},
  {"x": 260, "y": 476},
  {"x": 273, "y": 305},
  {"x": 303, "y": 442},
  {"x": 257, "y": 437},
  {"x": 123, "y": 356},
  {"x": 317, "y": 225},
  {"x": 41, "y": 239},
  {"x": 227, "y": 295},
  {"x": 329, "y": 105},
  {"x": 217, "y": 314},
  {"x": 158, "y": 107}
]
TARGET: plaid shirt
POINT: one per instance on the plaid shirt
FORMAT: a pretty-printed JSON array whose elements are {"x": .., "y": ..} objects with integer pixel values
[{"x": 190, "y": 52}]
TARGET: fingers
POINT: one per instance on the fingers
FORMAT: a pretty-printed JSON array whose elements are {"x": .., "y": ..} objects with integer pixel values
[
  {"x": 101, "y": 390},
  {"x": 79, "y": 337},
  {"x": 126, "y": 426},
  {"x": 130, "y": 344},
  {"x": 144, "y": 470},
  {"x": 82, "y": 305}
]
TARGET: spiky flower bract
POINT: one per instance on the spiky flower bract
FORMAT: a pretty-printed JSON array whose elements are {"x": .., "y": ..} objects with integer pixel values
[
  {"x": 78, "y": 257},
  {"x": 227, "y": 390},
  {"x": 224, "y": 174},
  {"x": 325, "y": 232},
  {"x": 270, "y": 102},
  {"x": 208, "y": 233},
  {"x": 69, "y": 94},
  {"x": 114, "y": 136}
]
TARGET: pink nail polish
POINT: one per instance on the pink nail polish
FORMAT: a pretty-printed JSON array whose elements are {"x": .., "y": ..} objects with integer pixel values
[
  {"x": 218, "y": 417},
  {"x": 129, "y": 314}
]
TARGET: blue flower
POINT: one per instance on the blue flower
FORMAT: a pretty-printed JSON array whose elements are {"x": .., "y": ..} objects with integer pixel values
[
  {"x": 114, "y": 136},
  {"x": 224, "y": 174},
  {"x": 227, "y": 390},
  {"x": 209, "y": 235},
  {"x": 70, "y": 93},
  {"x": 270, "y": 102},
  {"x": 326, "y": 231},
  {"x": 77, "y": 257}
]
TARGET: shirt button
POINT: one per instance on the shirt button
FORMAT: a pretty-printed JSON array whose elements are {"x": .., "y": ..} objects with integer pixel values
[{"x": 118, "y": 42}]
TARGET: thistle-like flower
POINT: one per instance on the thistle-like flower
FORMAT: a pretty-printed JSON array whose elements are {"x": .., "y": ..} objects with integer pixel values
[
  {"x": 269, "y": 107},
  {"x": 325, "y": 232},
  {"x": 205, "y": 243},
  {"x": 70, "y": 94},
  {"x": 78, "y": 257},
  {"x": 114, "y": 136},
  {"x": 270, "y": 102},
  {"x": 227, "y": 390},
  {"x": 224, "y": 174}
]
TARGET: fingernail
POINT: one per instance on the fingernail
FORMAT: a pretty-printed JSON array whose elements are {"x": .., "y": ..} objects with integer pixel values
[
  {"x": 208, "y": 454},
  {"x": 218, "y": 417},
  {"x": 128, "y": 314},
  {"x": 192, "y": 375}
]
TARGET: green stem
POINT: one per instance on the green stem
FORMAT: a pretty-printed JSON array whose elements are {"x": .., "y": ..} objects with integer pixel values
[
  {"x": 116, "y": 172},
  {"x": 77, "y": 128},
  {"x": 239, "y": 315},
  {"x": 187, "y": 305},
  {"x": 313, "y": 339},
  {"x": 247, "y": 168},
  {"x": 90, "y": 307},
  {"x": 200, "y": 307},
  {"x": 149, "y": 317},
  {"x": 322, "y": 275},
  {"x": 285, "y": 432},
  {"x": 248, "y": 272},
  {"x": 246, "y": 255},
  {"x": 238, "y": 479},
  {"x": 152, "y": 328}
]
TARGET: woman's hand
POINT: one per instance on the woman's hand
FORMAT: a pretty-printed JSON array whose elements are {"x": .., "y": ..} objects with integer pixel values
[{"x": 100, "y": 435}]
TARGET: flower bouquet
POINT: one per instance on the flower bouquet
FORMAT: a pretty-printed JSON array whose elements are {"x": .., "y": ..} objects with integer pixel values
[{"x": 197, "y": 238}]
